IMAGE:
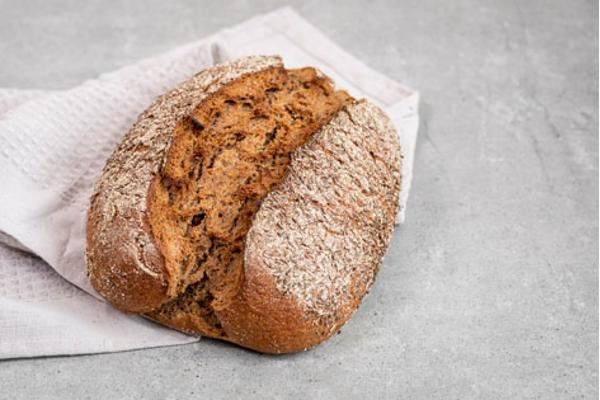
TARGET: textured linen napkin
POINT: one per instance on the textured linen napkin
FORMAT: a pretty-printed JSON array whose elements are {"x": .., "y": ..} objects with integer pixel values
[{"x": 53, "y": 146}]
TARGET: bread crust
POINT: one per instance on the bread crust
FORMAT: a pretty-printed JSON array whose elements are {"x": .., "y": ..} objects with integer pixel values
[{"x": 315, "y": 244}]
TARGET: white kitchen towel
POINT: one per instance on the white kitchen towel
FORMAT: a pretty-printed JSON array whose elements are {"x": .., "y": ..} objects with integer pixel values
[{"x": 53, "y": 146}]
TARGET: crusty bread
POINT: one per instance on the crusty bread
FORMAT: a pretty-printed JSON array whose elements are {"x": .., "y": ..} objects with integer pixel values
[{"x": 252, "y": 204}]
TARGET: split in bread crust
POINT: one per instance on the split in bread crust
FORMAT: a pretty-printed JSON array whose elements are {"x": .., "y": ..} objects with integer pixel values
[{"x": 223, "y": 160}]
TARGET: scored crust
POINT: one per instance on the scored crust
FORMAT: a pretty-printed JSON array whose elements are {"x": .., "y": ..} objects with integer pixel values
[{"x": 123, "y": 262}]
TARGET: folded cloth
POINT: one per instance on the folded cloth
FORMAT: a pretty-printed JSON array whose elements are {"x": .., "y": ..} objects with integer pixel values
[{"x": 53, "y": 146}]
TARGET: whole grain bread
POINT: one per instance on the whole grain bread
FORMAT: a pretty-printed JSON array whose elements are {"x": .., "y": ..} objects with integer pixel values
[{"x": 252, "y": 204}]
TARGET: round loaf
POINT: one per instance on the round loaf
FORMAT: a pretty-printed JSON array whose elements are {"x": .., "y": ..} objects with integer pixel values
[{"x": 318, "y": 221}]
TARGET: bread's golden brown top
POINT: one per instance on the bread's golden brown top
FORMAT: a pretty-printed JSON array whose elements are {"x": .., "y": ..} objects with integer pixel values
[{"x": 323, "y": 230}]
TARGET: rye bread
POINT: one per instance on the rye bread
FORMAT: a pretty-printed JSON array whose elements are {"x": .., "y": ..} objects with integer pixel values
[{"x": 264, "y": 226}]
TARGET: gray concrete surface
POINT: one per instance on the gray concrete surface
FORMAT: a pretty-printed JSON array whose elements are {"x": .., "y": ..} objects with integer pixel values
[{"x": 490, "y": 289}]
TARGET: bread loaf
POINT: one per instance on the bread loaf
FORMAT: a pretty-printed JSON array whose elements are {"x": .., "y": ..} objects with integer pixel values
[{"x": 252, "y": 204}]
